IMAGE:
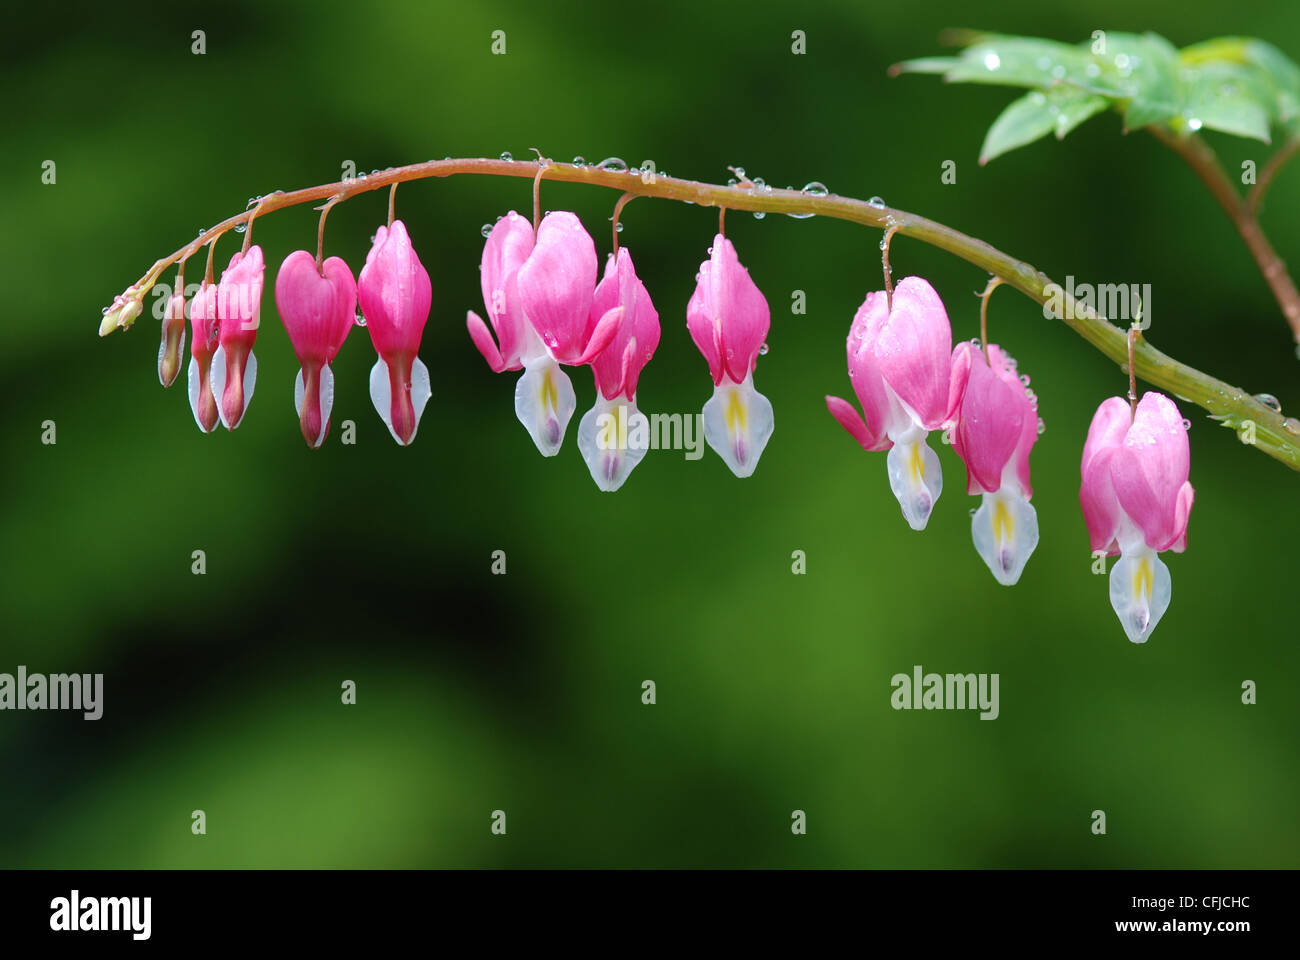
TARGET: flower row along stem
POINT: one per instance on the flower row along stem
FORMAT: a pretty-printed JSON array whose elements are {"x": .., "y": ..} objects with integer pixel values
[{"x": 1259, "y": 425}]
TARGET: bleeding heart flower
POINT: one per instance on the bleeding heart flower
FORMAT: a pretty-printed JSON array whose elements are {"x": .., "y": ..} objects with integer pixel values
[
  {"x": 239, "y": 311},
  {"x": 554, "y": 285},
  {"x": 728, "y": 318},
  {"x": 1136, "y": 500},
  {"x": 996, "y": 428},
  {"x": 541, "y": 391},
  {"x": 395, "y": 295},
  {"x": 203, "y": 343},
  {"x": 318, "y": 312},
  {"x": 900, "y": 361},
  {"x": 614, "y": 435}
]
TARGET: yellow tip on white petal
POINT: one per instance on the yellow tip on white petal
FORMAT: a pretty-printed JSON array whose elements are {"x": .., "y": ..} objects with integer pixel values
[
  {"x": 738, "y": 422},
  {"x": 1005, "y": 532},
  {"x": 1140, "y": 590},
  {"x": 916, "y": 479}
]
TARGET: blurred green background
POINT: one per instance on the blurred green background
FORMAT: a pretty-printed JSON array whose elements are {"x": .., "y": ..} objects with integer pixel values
[{"x": 523, "y": 692}]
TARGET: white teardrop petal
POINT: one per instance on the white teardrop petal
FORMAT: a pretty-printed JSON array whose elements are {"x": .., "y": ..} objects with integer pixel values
[
  {"x": 915, "y": 477},
  {"x": 544, "y": 404},
  {"x": 217, "y": 381},
  {"x": 420, "y": 390},
  {"x": 326, "y": 399},
  {"x": 1005, "y": 531},
  {"x": 613, "y": 437},
  {"x": 195, "y": 387},
  {"x": 1140, "y": 590},
  {"x": 218, "y": 373},
  {"x": 738, "y": 422},
  {"x": 381, "y": 395}
]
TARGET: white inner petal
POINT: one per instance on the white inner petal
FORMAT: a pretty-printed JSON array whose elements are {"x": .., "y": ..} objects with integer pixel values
[
  {"x": 1005, "y": 531},
  {"x": 738, "y": 422},
  {"x": 544, "y": 403},
  {"x": 1140, "y": 590},
  {"x": 196, "y": 386},
  {"x": 613, "y": 437},
  {"x": 915, "y": 477}
]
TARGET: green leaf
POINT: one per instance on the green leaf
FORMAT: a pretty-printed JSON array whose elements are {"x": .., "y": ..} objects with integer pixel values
[
  {"x": 924, "y": 65},
  {"x": 1081, "y": 107},
  {"x": 1236, "y": 85},
  {"x": 1284, "y": 76},
  {"x": 1017, "y": 62},
  {"x": 1037, "y": 114},
  {"x": 1230, "y": 98}
]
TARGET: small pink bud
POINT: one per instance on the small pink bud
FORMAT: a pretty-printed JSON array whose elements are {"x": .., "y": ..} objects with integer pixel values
[{"x": 173, "y": 339}]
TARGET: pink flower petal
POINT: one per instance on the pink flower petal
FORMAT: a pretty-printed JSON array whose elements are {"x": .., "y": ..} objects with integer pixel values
[
  {"x": 317, "y": 311},
  {"x": 395, "y": 294},
  {"x": 728, "y": 316},
  {"x": 851, "y": 420},
  {"x": 1150, "y": 472},
  {"x": 618, "y": 367},
  {"x": 556, "y": 284},
  {"x": 478, "y": 332},
  {"x": 914, "y": 351},
  {"x": 1101, "y": 509},
  {"x": 507, "y": 248},
  {"x": 990, "y": 426},
  {"x": 864, "y": 371}
]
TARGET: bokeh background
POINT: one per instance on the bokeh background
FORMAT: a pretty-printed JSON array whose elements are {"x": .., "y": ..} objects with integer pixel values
[{"x": 522, "y": 692}]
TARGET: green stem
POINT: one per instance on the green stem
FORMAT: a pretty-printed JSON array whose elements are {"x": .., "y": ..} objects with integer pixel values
[
  {"x": 1274, "y": 435},
  {"x": 1200, "y": 156}
]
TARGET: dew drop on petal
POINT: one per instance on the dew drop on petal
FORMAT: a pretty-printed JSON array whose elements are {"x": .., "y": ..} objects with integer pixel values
[
  {"x": 1042, "y": 427},
  {"x": 762, "y": 351},
  {"x": 486, "y": 230},
  {"x": 361, "y": 319},
  {"x": 1187, "y": 424}
]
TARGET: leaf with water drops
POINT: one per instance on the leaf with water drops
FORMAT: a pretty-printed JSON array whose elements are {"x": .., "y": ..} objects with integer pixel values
[
  {"x": 1240, "y": 86},
  {"x": 1037, "y": 114}
]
